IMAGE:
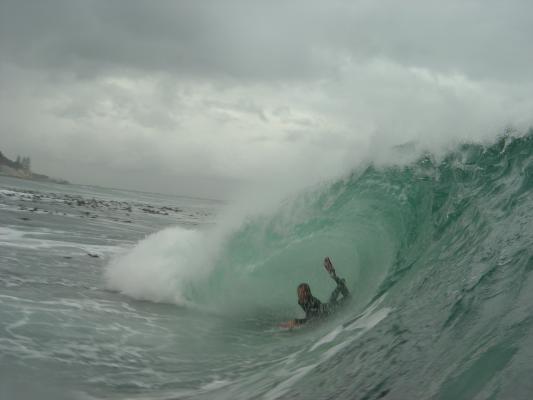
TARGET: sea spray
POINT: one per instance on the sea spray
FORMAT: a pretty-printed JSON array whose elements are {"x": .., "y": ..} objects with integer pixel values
[{"x": 161, "y": 266}]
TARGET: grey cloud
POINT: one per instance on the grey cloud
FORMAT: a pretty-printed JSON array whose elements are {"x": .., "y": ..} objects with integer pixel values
[
  {"x": 192, "y": 39},
  {"x": 255, "y": 40}
]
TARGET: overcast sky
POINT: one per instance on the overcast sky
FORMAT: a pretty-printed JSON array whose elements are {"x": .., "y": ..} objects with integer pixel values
[{"x": 198, "y": 97}]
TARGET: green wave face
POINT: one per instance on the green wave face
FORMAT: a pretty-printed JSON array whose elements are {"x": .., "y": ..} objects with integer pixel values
[
  {"x": 444, "y": 247},
  {"x": 377, "y": 225},
  {"x": 356, "y": 225}
]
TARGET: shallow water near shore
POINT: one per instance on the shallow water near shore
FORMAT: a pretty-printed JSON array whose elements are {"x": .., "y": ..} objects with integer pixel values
[{"x": 108, "y": 294}]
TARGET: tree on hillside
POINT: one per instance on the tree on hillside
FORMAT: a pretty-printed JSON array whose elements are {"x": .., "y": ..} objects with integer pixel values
[{"x": 26, "y": 164}]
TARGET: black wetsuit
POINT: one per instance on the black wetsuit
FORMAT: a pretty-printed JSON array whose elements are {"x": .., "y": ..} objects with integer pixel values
[{"x": 314, "y": 308}]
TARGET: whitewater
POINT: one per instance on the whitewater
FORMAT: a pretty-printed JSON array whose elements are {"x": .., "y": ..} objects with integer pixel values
[{"x": 109, "y": 294}]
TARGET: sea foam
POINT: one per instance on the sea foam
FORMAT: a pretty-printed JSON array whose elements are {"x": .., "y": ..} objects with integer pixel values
[{"x": 160, "y": 267}]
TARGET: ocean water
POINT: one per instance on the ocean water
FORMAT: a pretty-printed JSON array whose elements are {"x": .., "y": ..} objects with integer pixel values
[{"x": 108, "y": 294}]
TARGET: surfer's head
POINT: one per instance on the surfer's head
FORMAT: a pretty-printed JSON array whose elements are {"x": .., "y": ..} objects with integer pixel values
[{"x": 304, "y": 292}]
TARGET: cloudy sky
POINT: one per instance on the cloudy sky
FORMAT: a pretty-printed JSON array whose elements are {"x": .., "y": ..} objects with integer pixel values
[{"x": 203, "y": 97}]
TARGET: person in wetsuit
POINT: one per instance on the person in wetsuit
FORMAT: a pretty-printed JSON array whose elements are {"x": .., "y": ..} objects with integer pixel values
[{"x": 313, "y": 307}]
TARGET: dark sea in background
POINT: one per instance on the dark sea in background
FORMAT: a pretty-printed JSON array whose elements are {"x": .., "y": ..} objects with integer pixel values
[{"x": 112, "y": 294}]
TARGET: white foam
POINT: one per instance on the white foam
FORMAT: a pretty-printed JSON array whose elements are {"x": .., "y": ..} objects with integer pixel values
[
  {"x": 335, "y": 349},
  {"x": 370, "y": 320},
  {"x": 10, "y": 237},
  {"x": 364, "y": 320},
  {"x": 11, "y": 193},
  {"x": 161, "y": 266},
  {"x": 328, "y": 338},
  {"x": 214, "y": 385},
  {"x": 284, "y": 386}
]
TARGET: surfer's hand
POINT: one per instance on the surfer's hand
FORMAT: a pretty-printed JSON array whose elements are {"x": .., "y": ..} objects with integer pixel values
[
  {"x": 289, "y": 324},
  {"x": 329, "y": 266}
]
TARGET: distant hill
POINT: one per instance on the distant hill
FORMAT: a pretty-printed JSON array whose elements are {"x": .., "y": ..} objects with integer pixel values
[{"x": 21, "y": 168}]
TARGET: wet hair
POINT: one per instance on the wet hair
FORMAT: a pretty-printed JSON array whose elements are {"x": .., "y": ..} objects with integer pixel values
[{"x": 305, "y": 287}]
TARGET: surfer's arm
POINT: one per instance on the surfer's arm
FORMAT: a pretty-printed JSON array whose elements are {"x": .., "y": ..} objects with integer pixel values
[
  {"x": 341, "y": 288},
  {"x": 341, "y": 283}
]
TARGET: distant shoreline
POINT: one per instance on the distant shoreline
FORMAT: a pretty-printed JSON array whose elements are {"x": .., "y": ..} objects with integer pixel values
[
  {"x": 21, "y": 169},
  {"x": 34, "y": 177}
]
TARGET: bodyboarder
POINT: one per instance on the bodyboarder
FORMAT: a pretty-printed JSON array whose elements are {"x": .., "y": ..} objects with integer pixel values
[{"x": 313, "y": 307}]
